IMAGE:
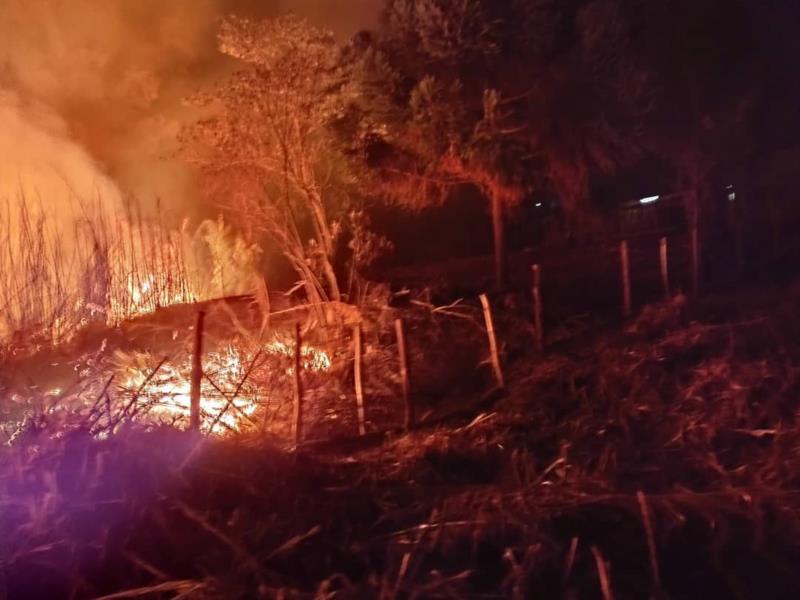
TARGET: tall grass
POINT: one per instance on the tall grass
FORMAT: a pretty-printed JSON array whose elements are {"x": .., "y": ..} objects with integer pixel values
[
  {"x": 56, "y": 277},
  {"x": 38, "y": 274}
]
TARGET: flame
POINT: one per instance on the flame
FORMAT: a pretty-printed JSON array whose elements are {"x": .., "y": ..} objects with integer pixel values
[
  {"x": 148, "y": 273},
  {"x": 146, "y": 296},
  {"x": 166, "y": 397},
  {"x": 313, "y": 359}
]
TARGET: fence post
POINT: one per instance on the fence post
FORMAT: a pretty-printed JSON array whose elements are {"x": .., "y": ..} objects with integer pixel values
[
  {"x": 197, "y": 372},
  {"x": 664, "y": 252},
  {"x": 490, "y": 332},
  {"x": 695, "y": 243},
  {"x": 739, "y": 234},
  {"x": 626, "y": 278},
  {"x": 537, "y": 309},
  {"x": 358, "y": 349},
  {"x": 297, "y": 420},
  {"x": 402, "y": 352}
]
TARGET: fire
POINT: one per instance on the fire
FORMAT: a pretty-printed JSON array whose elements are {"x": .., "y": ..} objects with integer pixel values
[
  {"x": 313, "y": 359},
  {"x": 228, "y": 401},
  {"x": 145, "y": 296},
  {"x": 150, "y": 267},
  {"x": 146, "y": 269},
  {"x": 165, "y": 398}
]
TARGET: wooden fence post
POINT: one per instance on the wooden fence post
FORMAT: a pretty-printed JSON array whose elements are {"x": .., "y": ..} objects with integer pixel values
[
  {"x": 197, "y": 372},
  {"x": 357, "y": 376},
  {"x": 626, "y": 278},
  {"x": 695, "y": 249},
  {"x": 490, "y": 332},
  {"x": 739, "y": 234},
  {"x": 537, "y": 309},
  {"x": 297, "y": 417},
  {"x": 664, "y": 253},
  {"x": 402, "y": 352}
]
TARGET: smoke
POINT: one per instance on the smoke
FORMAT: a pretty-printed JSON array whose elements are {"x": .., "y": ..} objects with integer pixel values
[
  {"x": 91, "y": 90},
  {"x": 91, "y": 101},
  {"x": 40, "y": 163}
]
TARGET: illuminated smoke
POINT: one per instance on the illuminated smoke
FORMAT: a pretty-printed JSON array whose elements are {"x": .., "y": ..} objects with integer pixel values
[
  {"x": 91, "y": 100},
  {"x": 114, "y": 74}
]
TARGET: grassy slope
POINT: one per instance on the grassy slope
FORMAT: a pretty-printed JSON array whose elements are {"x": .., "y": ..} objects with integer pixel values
[{"x": 695, "y": 407}]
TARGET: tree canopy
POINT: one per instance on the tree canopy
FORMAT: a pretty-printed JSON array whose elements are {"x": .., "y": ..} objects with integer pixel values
[
  {"x": 510, "y": 97},
  {"x": 266, "y": 150}
]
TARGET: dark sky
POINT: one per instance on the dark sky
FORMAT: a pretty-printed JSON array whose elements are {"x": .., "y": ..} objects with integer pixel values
[{"x": 778, "y": 26}]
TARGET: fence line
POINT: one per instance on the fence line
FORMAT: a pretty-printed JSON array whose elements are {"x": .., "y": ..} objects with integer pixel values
[{"x": 356, "y": 337}]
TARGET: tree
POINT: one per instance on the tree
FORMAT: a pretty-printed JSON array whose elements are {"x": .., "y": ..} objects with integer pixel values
[
  {"x": 700, "y": 59},
  {"x": 266, "y": 150},
  {"x": 439, "y": 122},
  {"x": 507, "y": 96}
]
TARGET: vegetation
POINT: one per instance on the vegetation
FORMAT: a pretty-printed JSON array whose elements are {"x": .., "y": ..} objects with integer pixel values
[
  {"x": 54, "y": 283},
  {"x": 176, "y": 428},
  {"x": 266, "y": 150},
  {"x": 662, "y": 457},
  {"x": 512, "y": 98}
]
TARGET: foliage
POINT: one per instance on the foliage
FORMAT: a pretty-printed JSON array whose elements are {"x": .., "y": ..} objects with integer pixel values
[
  {"x": 524, "y": 91},
  {"x": 221, "y": 262},
  {"x": 668, "y": 449},
  {"x": 510, "y": 97},
  {"x": 266, "y": 151},
  {"x": 53, "y": 285}
]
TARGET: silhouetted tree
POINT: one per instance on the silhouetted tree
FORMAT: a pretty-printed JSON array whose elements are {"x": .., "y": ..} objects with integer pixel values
[
  {"x": 699, "y": 56},
  {"x": 505, "y": 95}
]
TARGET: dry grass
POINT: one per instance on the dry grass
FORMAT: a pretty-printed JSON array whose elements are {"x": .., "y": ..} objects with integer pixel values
[
  {"x": 58, "y": 277},
  {"x": 660, "y": 461}
]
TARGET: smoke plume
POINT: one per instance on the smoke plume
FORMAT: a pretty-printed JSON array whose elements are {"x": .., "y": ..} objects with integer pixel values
[{"x": 91, "y": 90}]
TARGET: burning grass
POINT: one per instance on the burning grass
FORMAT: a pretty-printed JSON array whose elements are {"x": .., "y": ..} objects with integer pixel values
[
  {"x": 236, "y": 381},
  {"x": 56, "y": 279},
  {"x": 660, "y": 461},
  {"x": 114, "y": 378},
  {"x": 247, "y": 387}
]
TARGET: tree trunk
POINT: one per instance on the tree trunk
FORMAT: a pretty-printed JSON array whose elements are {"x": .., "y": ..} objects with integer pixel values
[
  {"x": 312, "y": 286},
  {"x": 333, "y": 284},
  {"x": 693, "y": 212},
  {"x": 322, "y": 226},
  {"x": 498, "y": 230}
]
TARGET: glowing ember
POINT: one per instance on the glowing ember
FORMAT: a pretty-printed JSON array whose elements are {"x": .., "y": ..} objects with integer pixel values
[
  {"x": 148, "y": 294},
  {"x": 313, "y": 358},
  {"x": 227, "y": 405}
]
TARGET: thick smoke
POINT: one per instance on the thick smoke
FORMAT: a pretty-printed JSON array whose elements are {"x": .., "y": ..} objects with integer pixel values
[
  {"x": 91, "y": 100},
  {"x": 42, "y": 165},
  {"x": 105, "y": 70},
  {"x": 105, "y": 79}
]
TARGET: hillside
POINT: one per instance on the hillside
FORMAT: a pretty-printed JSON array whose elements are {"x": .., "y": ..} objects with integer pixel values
[{"x": 654, "y": 459}]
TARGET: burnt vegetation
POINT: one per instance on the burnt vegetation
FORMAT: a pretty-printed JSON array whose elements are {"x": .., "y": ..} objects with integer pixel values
[{"x": 500, "y": 302}]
